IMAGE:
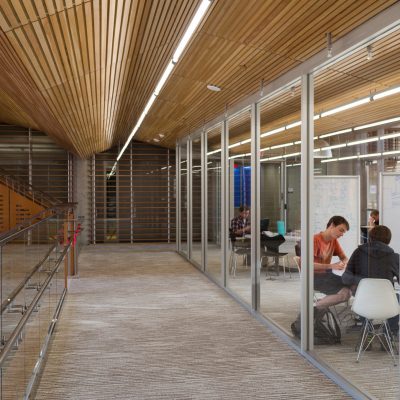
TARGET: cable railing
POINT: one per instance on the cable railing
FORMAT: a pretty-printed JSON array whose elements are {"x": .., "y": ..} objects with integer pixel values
[{"x": 36, "y": 260}]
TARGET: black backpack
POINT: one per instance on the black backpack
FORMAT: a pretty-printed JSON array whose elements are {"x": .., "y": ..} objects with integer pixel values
[{"x": 326, "y": 327}]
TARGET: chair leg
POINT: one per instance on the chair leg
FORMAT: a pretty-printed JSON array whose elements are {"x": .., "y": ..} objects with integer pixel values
[
  {"x": 388, "y": 338},
  {"x": 363, "y": 337}
]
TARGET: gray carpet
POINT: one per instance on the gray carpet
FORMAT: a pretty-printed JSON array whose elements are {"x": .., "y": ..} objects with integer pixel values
[{"x": 143, "y": 324}]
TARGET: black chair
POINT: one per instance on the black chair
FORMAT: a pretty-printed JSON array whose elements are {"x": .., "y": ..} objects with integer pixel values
[
  {"x": 264, "y": 224},
  {"x": 240, "y": 247},
  {"x": 270, "y": 248}
]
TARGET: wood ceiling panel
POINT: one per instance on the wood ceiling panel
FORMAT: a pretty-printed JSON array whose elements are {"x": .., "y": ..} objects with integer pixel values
[
  {"x": 82, "y": 71},
  {"x": 94, "y": 63},
  {"x": 278, "y": 37}
]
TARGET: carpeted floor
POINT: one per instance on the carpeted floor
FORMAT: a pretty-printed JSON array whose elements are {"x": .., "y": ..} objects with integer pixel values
[{"x": 143, "y": 324}]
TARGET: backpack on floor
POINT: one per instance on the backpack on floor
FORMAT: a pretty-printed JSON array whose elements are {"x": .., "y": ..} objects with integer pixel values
[{"x": 326, "y": 327}]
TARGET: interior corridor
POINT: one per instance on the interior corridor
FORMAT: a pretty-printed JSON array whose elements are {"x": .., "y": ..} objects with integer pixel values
[{"x": 142, "y": 323}]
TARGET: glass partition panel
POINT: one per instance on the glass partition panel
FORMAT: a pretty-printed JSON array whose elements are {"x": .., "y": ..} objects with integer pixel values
[
  {"x": 32, "y": 285},
  {"x": 196, "y": 200},
  {"x": 184, "y": 197},
  {"x": 357, "y": 121},
  {"x": 280, "y": 207},
  {"x": 239, "y": 203},
  {"x": 213, "y": 264}
]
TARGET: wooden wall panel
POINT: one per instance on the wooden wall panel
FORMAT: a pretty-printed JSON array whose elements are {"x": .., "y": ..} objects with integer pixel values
[
  {"x": 21, "y": 208},
  {"x": 4, "y": 208}
]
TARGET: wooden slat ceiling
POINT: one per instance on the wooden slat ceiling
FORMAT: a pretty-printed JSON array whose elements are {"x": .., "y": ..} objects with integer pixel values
[{"x": 82, "y": 71}]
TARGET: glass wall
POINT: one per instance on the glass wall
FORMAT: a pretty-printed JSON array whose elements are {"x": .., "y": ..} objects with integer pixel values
[
  {"x": 213, "y": 170},
  {"x": 280, "y": 223},
  {"x": 239, "y": 203},
  {"x": 184, "y": 198},
  {"x": 330, "y": 155},
  {"x": 356, "y": 146},
  {"x": 196, "y": 201}
]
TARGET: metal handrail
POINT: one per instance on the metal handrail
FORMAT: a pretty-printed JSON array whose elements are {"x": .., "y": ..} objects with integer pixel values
[
  {"x": 29, "y": 223},
  {"x": 17, "y": 331},
  {"x": 17, "y": 290}
]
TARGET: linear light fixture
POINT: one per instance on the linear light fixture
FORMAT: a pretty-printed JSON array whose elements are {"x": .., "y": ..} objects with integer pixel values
[
  {"x": 214, "y": 152},
  {"x": 278, "y": 146},
  {"x": 291, "y": 155},
  {"x": 386, "y": 153},
  {"x": 164, "y": 77},
  {"x": 386, "y": 93},
  {"x": 269, "y": 133},
  {"x": 369, "y": 155},
  {"x": 293, "y": 125},
  {"x": 390, "y": 136},
  {"x": 194, "y": 23},
  {"x": 335, "y": 133},
  {"x": 335, "y": 146},
  {"x": 361, "y": 156},
  {"x": 346, "y": 107},
  {"x": 387, "y": 121},
  {"x": 190, "y": 30},
  {"x": 362, "y": 141}
]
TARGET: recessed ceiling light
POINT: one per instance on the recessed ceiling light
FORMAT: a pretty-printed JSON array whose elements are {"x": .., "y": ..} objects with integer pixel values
[
  {"x": 214, "y": 88},
  {"x": 161, "y": 135},
  {"x": 156, "y": 140}
]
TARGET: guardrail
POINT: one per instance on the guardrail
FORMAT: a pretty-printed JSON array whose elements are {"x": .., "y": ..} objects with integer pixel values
[
  {"x": 17, "y": 331},
  {"x": 36, "y": 259}
]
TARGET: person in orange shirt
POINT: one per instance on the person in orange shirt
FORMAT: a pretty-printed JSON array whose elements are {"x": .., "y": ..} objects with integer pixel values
[{"x": 326, "y": 245}]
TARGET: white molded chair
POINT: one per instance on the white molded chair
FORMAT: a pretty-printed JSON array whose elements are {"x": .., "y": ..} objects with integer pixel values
[
  {"x": 376, "y": 301},
  {"x": 296, "y": 260}
]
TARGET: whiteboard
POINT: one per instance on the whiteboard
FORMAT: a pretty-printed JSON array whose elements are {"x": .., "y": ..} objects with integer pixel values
[
  {"x": 338, "y": 195},
  {"x": 389, "y": 212}
]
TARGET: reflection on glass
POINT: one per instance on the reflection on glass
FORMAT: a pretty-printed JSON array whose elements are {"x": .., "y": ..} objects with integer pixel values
[
  {"x": 184, "y": 188},
  {"x": 239, "y": 202},
  {"x": 196, "y": 200},
  {"x": 358, "y": 179},
  {"x": 213, "y": 266},
  {"x": 280, "y": 209}
]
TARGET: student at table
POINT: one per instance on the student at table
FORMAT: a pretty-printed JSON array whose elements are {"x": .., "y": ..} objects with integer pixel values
[
  {"x": 326, "y": 245},
  {"x": 373, "y": 219},
  {"x": 240, "y": 225},
  {"x": 374, "y": 259}
]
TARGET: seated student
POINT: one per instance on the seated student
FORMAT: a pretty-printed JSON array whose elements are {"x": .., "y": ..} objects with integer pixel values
[
  {"x": 374, "y": 259},
  {"x": 373, "y": 219},
  {"x": 240, "y": 225},
  {"x": 326, "y": 245}
]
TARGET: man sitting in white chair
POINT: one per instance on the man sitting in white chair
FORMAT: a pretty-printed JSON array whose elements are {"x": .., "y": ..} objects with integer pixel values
[{"x": 374, "y": 259}]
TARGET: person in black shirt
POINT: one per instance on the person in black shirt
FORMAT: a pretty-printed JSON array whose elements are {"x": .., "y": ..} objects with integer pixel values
[{"x": 374, "y": 259}]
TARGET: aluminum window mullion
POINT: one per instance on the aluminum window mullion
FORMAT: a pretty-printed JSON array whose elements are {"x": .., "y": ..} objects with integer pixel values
[
  {"x": 189, "y": 198},
  {"x": 94, "y": 199},
  {"x": 307, "y": 188},
  {"x": 224, "y": 200},
  {"x": 255, "y": 206},
  {"x": 178, "y": 197},
  {"x": 204, "y": 210}
]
